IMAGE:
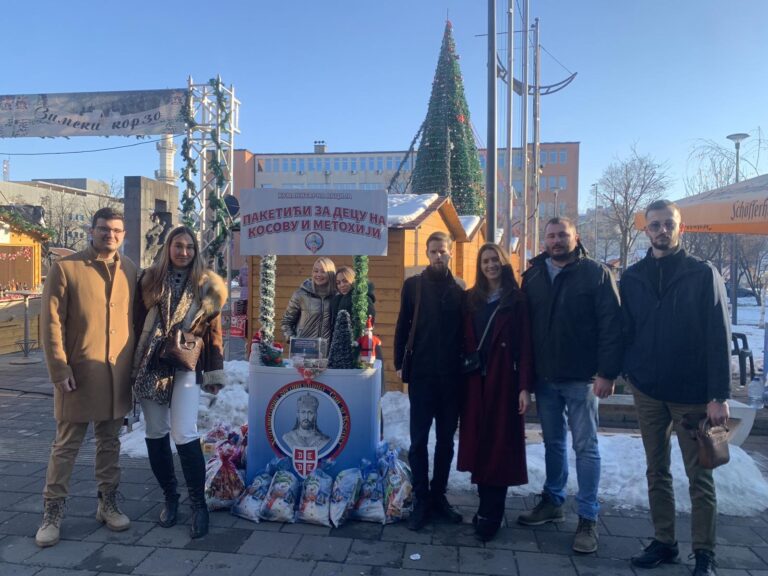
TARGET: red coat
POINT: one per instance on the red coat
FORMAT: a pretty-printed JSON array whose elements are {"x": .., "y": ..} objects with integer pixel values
[{"x": 491, "y": 432}]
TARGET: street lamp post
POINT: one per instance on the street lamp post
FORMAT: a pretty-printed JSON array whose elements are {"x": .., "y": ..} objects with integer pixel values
[
  {"x": 556, "y": 191},
  {"x": 594, "y": 187},
  {"x": 736, "y": 139}
]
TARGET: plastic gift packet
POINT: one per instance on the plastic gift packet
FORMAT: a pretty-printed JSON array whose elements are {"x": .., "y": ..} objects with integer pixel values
[
  {"x": 346, "y": 489},
  {"x": 398, "y": 488},
  {"x": 314, "y": 507},
  {"x": 215, "y": 435},
  {"x": 370, "y": 506},
  {"x": 252, "y": 499},
  {"x": 281, "y": 498},
  {"x": 223, "y": 485}
]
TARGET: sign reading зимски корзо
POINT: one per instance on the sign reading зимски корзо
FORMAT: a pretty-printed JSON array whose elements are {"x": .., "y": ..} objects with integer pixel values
[{"x": 127, "y": 113}]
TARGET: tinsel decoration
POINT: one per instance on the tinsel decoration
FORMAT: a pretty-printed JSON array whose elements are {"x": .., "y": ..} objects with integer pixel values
[
  {"x": 360, "y": 296},
  {"x": 447, "y": 162},
  {"x": 342, "y": 356},
  {"x": 267, "y": 275}
]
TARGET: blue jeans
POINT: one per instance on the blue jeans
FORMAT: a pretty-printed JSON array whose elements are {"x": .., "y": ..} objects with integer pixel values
[{"x": 577, "y": 401}]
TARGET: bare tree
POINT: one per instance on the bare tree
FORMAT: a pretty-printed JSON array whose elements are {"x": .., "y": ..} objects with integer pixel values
[
  {"x": 753, "y": 263},
  {"x": 64, "y": 214},
  {"x": 626, "y": 187},
  {"x": 712, "y": 165}
]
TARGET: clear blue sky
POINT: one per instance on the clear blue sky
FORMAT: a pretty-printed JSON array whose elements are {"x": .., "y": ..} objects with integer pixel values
[{"x": 357, "y": 73}]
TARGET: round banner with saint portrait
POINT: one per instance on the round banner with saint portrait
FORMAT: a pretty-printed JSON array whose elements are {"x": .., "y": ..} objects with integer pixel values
[{"x": 308, "y": 422}]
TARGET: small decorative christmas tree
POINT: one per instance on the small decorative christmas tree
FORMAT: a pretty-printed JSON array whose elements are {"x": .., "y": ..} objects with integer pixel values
[
  {"x": 267, "y": 271},
  {"x": 360, "y": 296},
  {"x": 342, "y": 355},
  {"x": 447, "y": 163}
]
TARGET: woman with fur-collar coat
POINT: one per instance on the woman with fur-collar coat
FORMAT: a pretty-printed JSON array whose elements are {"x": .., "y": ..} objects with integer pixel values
[{"x": 178, "y": 292}]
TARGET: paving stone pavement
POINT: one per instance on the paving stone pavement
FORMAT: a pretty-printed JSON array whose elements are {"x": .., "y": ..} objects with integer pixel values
[{"x": 236, "y": 547}]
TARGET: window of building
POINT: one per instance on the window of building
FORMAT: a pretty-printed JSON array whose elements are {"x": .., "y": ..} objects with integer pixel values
[
  {"x": 518, "y": 186},
  {"x": 552, "y": 182},
  {"x": 327, "y": 164},
  {"x": 336, "y": 164},
  {"x": 353, "y": 164},
  {"x": 379, "y": 163},
  {"x": 389, "y": 163},
  {"x": 371, "y": 165},
  {"x": 285, "y": 165},
  {"x": 482, "y": 161},
  {"x": 519, "y": 160},
  {"x": 311, "y": 164},
  {"x": 553, "y": 157},
  {"x": 293, "y": 165},
  {"x": 563, "y": 182},
  {"x": 345, "y": 164},
  {"x": 543, "y": 158},
  {"x": 268, "y": 165},
  {"x": 543, "y": 183},
  {"x": 563, "y": 156},
  {"x": 301, "y": 165}
]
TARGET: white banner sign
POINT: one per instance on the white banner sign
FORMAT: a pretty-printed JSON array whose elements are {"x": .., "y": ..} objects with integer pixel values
[
  {"x": 131, "y": 113},
  {"x": 306, "y": 222}
]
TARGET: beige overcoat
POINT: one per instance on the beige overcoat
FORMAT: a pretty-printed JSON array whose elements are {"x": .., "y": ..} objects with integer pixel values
[{"x": 87, "y": 332}]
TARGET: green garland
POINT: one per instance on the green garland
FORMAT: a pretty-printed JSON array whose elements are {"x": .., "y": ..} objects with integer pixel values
[
  {"x": 267, "y": 276},
  {"x": 16, "y": 220},
  {"x": 360, "y": 296}
]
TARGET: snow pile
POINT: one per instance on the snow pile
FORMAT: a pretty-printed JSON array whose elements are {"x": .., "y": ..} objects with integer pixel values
[
  {"x": 404, "y": 208},
  {"x": 741, "y": 488},
  {"x": 469, "y": 223}
]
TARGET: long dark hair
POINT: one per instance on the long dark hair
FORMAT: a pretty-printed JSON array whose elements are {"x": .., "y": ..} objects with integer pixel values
[
  {"x": 478, "y": 294},
  {"x": 162, "y": 265}
]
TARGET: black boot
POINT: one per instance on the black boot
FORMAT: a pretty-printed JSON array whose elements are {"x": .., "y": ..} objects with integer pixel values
[
  {"x": 161, "y": 462},
  {"x": 193, "y": 466}
]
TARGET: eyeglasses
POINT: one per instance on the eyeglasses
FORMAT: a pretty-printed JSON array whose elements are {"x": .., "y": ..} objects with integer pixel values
[
  {"x": 104, "y": 230},
  {"x": 656, "y": 226}
]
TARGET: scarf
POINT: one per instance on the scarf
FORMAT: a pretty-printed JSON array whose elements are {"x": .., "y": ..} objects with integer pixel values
[{"x": 154, "y": 380}]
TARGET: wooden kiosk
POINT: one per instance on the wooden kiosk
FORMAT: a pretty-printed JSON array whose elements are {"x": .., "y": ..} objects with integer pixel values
[{"x": 20, "y": 269}]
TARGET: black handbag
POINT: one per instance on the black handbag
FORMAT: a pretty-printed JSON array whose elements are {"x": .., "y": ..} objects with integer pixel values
[
  {"x": 406, "y": 368},
  {"x": 473, "y": 362}
]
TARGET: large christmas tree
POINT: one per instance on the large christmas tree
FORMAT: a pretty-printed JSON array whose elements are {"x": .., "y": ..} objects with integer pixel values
[{"x": 447, "y": 162}]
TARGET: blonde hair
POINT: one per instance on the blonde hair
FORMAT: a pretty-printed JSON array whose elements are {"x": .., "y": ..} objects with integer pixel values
[
  {"x": 162, "y": 266},
  {"x": 347, "y": 273},
  {"x": 329, "y": 268}
]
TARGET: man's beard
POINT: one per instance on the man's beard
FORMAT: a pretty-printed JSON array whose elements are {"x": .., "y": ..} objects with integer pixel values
[
  {"x": 564, "y": 256},
  {"x": 663, "y": 244}
]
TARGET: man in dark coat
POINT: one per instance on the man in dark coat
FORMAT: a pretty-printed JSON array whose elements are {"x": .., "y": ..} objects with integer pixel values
[
  {"x": 431, "y": 303},
  {"x": 678, "y": 361},
  {"x": 576, "y": 324}
]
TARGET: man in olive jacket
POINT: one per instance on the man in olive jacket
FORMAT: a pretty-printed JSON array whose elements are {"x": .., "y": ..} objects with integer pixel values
[
  {"x": 576, "y": 324},
  {"x": 678, "y": 361},
  {"x": 88, "y": 339}
]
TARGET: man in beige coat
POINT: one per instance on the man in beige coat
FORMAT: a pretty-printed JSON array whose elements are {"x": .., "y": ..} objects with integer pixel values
[{"x": 87, "y": 335}]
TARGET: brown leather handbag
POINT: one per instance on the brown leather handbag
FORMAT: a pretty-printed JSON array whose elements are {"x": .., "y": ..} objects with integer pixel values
[
  {"x": 181, "y": 350},
  {"x": 712, "y": 441}
]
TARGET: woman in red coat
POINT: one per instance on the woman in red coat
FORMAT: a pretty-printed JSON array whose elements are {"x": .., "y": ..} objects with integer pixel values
[{"x": 495, "y": 397}]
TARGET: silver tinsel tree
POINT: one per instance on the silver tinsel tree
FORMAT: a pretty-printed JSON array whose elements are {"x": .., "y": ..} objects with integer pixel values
[
  {"x": 342, "y": 354},
  {"x": 267, "y": 274}
]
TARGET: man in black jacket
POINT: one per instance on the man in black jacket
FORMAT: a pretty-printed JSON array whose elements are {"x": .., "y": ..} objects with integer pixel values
[
  {"x": 432, "y": 301},
  {"x": 576, "y": 324},
  {"x": 678, "y": 361}
]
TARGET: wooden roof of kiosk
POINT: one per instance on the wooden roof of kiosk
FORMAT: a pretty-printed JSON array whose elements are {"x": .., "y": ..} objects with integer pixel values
[{"x": 406, "y": 256}]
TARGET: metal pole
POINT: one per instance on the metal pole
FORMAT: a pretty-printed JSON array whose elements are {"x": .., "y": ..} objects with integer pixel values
[
  {"x": 594, "y": 187},
  {"x": 536, "y": 134},
  {"x": 491, "y": 152},
  {"x": 734, "y": 259},
  {"x": 524, "y": 136},
  {"x": 510, "y": 93}
]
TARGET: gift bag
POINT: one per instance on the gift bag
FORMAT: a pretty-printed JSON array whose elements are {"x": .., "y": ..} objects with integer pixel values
[
  {"x": 252, "y": 499},
  {"x": 370, "y": 506},
  {"x": 281, "y": 499},
  {"x": 398, "y": 488},
  {"x": 223, "y": 484},
  {"x": 314, "y": 506},
  {"x": 346, "y": 489}
]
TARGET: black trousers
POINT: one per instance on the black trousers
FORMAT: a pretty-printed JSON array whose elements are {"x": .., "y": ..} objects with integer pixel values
[
  {"x": 492, "y": 501},
  {"x": 434, "y": 398}
]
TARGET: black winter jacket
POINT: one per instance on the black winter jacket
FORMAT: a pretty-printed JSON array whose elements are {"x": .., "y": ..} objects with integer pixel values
[
  {"x": 576, "y": 320},
  {"x": 439, "y": 335},
  {"x": 678, "y": 344}
]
